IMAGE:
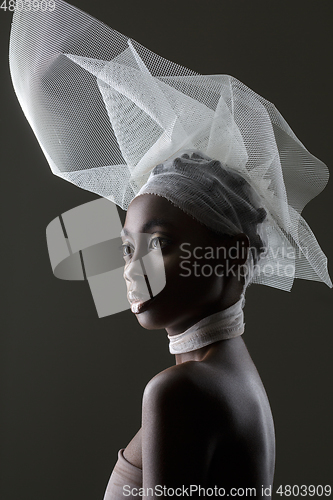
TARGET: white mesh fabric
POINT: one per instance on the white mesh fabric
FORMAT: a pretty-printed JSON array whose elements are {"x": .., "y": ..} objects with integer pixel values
[{"x": 106, "y": 110}]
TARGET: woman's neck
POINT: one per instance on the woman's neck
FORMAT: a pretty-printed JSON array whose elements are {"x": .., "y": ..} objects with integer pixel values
[
  {"x": 197, "y": 355},
  {"x": 194, "y": 342},
  {"x": 231, "y": 297},
  {"x": 218, "y": 352}
]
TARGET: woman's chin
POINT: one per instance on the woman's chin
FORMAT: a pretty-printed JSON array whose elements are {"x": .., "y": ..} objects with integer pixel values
[{"x": 149, "y": 322}]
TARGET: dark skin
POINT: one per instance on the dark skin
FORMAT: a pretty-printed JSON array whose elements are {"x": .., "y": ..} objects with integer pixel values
[{"x": 205, "y": 421}]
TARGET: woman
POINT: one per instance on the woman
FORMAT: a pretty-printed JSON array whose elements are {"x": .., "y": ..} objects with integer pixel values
[
  {"x": 118, "y": 120},
  {"x": 206, "y": 422}
]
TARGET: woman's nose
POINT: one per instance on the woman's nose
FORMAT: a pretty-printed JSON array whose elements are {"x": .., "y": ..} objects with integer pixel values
[
  {"x": 137, "y": 281},
  {"x": 134, "y": 268},
  {"x": 133, "y": 271}
]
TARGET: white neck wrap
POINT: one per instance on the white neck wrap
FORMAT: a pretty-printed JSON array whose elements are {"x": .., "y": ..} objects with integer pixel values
[{"x": 222, "y": 325}]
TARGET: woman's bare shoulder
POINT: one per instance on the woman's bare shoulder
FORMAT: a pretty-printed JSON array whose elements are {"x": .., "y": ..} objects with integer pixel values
[
  {"x": 175, "y": 422},
  {"x": 179, "y": 378},
  {"x": 208, "y": 391},
  {"x": 187, "y": 388}
]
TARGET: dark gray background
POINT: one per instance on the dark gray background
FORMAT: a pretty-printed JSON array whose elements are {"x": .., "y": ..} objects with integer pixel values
[{"x": 71, "y": 384}]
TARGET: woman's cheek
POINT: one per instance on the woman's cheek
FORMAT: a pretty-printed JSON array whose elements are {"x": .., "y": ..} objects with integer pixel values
[{"x": 154, "y": 269}]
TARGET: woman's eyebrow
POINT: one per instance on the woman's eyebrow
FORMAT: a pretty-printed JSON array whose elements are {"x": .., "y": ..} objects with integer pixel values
[
  {"x": 150, "y": 224},
  {"x": 156, "y": 222}
]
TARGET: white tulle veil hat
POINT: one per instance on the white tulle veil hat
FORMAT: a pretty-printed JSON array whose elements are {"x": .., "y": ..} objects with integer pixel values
[{"x": 106, "y": 111}]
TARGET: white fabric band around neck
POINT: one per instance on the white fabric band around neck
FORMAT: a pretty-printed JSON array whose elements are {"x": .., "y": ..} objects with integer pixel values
[{"x": 225, "y": 324}]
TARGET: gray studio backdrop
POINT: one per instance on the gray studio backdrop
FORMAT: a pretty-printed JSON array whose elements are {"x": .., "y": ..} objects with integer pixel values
[{"x": 71, "y": 383}]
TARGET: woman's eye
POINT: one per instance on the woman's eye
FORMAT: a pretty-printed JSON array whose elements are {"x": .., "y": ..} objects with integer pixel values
[
  {"x": 126, "y": 250},
  {"x": 158, "y": 242}
]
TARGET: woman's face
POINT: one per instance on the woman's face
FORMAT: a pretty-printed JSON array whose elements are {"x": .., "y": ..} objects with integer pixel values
[{"x": 195, "y": 286}]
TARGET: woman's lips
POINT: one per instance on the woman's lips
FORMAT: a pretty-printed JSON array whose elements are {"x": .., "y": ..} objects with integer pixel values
[
  {"x": 139, "y": 302},
  {"x": 139, "y": 307}
]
